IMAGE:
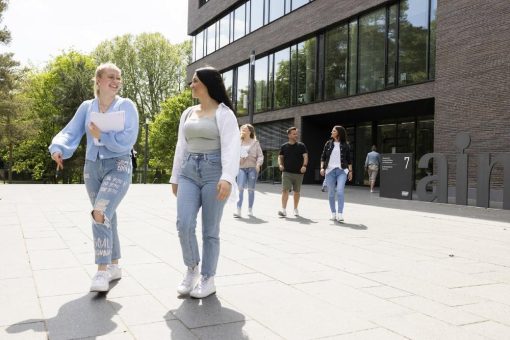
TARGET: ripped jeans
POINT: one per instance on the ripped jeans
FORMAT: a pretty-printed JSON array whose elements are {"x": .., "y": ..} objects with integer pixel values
[
  {"x": 107, "y": 182},
  {"x": 246, "y": 179}
]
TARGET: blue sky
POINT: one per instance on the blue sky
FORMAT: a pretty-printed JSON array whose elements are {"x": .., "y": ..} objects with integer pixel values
[{"x": 42, "y": 29}]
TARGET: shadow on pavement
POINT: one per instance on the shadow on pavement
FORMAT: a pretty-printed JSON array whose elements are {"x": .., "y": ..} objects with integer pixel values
[
  {"x": 301, "y": 220},
  {"x": 252, "y": 220},
  {"x": 88, "y": 316},
  {"x": 352, "y": 226},
  {"x": 207, "y": 319}
]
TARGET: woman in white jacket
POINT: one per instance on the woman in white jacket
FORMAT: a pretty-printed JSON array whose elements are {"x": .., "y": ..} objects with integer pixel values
[{"x": 206, "y": 163}]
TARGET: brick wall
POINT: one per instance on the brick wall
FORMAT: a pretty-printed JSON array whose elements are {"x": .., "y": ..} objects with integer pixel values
[{"x": 473, "y": 78}]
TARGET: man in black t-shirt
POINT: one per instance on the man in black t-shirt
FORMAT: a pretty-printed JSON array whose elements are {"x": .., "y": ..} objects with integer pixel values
[{"x": 293, "y": 160}]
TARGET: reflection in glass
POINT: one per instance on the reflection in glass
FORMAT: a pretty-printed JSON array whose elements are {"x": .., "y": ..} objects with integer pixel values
[
  {"x": 392, "y": 45},
  {"x": 413, "y": 41},
  {"x": 257, "y": 14},
  {"x": 239, "y": 22},
  {"x": 298, "y": 3},
  {"x": 211, "y": 38},
  {"x": 261, "y": 84},
  {"x": 281, "y": 78},
  {"x": 335, "y": 68},
  {"x": 242, "y": 90},
  {"x": 372, "y": 31},
  {"x": 224, "y": 31},
  {"x": 228, "y": 79},
  {"x": 433, "y": 9},
  {"x": 353, "y": 57},
  {"x": 276, "y": 9},
  {"x": 306, "y": 71},
  {"x": 199, "y": 45}
]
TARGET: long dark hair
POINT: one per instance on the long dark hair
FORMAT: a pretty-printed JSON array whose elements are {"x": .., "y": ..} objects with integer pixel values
[
  {"x": 342, "y": 134},
  {"x": 213, "y": 81}
]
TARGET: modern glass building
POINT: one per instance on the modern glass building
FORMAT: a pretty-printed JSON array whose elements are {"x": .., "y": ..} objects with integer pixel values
[{"x": 405, "y": 75}]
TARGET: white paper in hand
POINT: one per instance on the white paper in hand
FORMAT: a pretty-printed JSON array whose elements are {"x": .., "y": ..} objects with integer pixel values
[{"x": 111, "y": 121}]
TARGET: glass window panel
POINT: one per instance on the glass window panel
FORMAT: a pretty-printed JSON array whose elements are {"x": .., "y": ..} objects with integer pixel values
[
  {"x": 293, "y": 74},
  {"x": 276, "y": 9},
  {"x": 298, "y": 3},
  {"x": 353, "y": 57},
  {"x": 228, "y": 80},
  {"x": 363, "y": 146},
  {"x": 306, "y": 71},
  {"x": 424, "y": 142},
  {"x": 242, "y": 90},
  {"x": 224, "y": 31},
  {"x": 193, "y": 48},
  {"x": 287, "y": 6},
  {"x": 270, "y": 89},
  {"x": 257, "y": 14},
  {"x": 281, "y": 78},
  {"x": 386, "y": 137},
  {"x": 335, "y": 68},
  {"x": 199, "y": 52},
  {"x": 392, "y": 45},
  {"x": 413, "y": 41},
  {"x": 239, "y": 22},
  {"x": 261, "y": 84},
  {"x": 372, "y": 32},
  {"x": 247, "y": 17},
  {"x": 433, "y": 9},
  {"x": 211, "y": 38}
]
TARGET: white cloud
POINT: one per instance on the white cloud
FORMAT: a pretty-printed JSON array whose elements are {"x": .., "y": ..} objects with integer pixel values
[{"x": 42, "y": 29}]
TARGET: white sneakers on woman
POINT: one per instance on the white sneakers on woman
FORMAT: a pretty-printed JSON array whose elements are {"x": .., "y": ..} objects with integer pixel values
[
  {"x": 190, "y": 280},
  {"x": 195, "y": 285},
  {"x": 101, "y": 280},
  {"x": 204, "y": 288}
]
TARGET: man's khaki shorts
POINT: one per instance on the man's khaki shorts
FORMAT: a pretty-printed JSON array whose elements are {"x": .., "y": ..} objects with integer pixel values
[
  {"x": 292, "y": 181},
  {"x": 372, "y": 172}
]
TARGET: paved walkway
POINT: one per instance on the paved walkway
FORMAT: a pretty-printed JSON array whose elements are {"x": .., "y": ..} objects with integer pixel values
[{"x": 394, "y": 270}]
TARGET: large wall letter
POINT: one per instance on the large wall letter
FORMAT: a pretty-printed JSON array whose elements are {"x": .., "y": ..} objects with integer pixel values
[
  {"x": 485, "y": 167},
  {"x": 461, "y": 181},
  {"x": 441, "y": 194}
]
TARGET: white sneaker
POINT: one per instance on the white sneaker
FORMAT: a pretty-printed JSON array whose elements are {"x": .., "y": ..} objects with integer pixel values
[
  {"x": 339, "y": 217},
  {"x": 100, "y": 281},
  {"x": 115, "y": 272},
  {"x": 237, "y": 214},
  {"x": 250, "y": 212},
  {"x": 296, "y": 212},
  {"x": 333, "y": 216},
  {"x": 282, "y": 213},
  {"x": 204, "y": 288},
  {"x": 189, "y": 281}
]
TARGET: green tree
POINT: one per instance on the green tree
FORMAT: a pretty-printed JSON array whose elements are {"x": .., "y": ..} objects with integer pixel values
[
  {"x": 163, "y": 132},
  {"x": 153, "y": 70},
  {"x": 51, "y": 98}
]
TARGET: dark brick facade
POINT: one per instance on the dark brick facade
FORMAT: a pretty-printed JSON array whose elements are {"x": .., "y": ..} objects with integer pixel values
[{"x": 472, "y": 84}]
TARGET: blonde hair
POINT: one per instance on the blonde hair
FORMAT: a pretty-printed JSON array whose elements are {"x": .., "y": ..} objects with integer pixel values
[
  {"x": 99, "y": 72},
  {"x": 251, "y": 129}
]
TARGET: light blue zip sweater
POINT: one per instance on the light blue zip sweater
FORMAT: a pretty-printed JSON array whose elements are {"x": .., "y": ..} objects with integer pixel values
[{"x": 115, "y": 143}]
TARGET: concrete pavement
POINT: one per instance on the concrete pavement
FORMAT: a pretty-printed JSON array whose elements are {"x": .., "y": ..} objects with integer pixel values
[{"x": 395, "y": 270}]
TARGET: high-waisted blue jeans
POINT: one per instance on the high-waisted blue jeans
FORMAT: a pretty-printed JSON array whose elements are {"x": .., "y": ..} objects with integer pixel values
[
  {"x": 198, "y": 189},
  {"x": 246, "y": 179},
  {"x": 335, "y": 180},
  {"x": 107, "y": 182}
]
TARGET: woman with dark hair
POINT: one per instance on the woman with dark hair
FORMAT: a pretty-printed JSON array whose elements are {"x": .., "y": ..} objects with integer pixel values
[
  {"x": 336, "y": 165},
  {"x": 206, "y": 163}
]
